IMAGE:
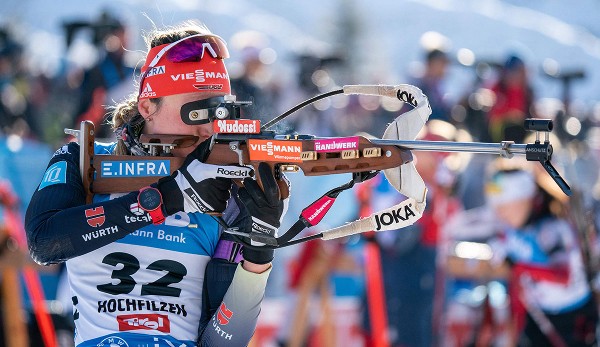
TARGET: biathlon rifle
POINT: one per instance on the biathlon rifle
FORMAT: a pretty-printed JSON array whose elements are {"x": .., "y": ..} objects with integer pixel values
[{"x": 245, "y": 142}]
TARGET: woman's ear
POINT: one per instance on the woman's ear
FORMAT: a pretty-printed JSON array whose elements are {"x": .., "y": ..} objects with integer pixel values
[{"x": 146, "y": 108}]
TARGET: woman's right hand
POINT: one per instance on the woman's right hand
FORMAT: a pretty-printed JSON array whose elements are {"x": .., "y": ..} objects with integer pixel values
[{"x": 200, "y": 187}]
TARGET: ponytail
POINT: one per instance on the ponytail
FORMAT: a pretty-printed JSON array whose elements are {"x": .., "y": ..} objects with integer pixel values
[{"x": 127, "y": 111}]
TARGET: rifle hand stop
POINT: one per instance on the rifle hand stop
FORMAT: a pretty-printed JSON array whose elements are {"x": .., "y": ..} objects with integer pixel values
[{"x": 542, "y": 152}]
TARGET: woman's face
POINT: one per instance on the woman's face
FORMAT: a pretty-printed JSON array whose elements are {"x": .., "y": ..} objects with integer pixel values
[
  {"x": 514, "y": 213},
  {"x": 164, "y": 118}
]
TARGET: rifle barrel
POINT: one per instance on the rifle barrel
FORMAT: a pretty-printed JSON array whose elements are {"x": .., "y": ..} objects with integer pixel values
[{"x": 506, "y": 147}]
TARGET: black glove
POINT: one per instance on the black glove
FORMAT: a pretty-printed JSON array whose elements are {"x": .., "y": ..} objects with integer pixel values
[
  {"x": 266, "y": 209},
  {"x": 199, "y": 187}
]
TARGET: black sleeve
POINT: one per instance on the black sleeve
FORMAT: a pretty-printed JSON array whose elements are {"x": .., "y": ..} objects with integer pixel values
[
  {"x": 58, "y": 223},
  {"x": 217, "y": 278},
  {"x": 219, "y": 272}
]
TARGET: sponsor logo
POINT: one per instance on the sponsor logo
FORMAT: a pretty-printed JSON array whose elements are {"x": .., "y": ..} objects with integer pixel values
[
  {"x": 160, "y": 235},
  {"x": 135, "y": 168},
  {"x": 143, "y": 233},
  {"x": 158, "y": 322},
  {"x": 336, "y": 145},
  {"x": 198, "y": 76},
  {"x": 147, "y": 92},
  {"x": 211, "y": 51},
  {"x": 242, "y": 172},
  {"x": 136, "y": 209},
  {"x": 63, "y": 150},
  {"x": 275, "y": 150},
  {"x": 407, "y": 98},
  {"x": 262, "y": 229},
  {"x": 224, "y": 314},
  {"x": 208, "y": 86},
  {"x": 135, "y": 219},
  {"x": 112, "y": 341},
  {"x": 100, "y": 232},
  {"x": 221, "y": 332},
  {"x": 241, "y": 126},
  {"x": 95, "y": 216},
  {"x": 130, "y": 305},
  {"x": 394, "y": 217},
  {"x": 314, "y": 214},
  {"x": 196, "y": 199},
  {"x": 536, "y": 149},
  {"x": 56, "y": 173},
  {"x": 179, "y": 219},
  {"x": 157, "y": 70},
  {"x": 212, "y": 74}
]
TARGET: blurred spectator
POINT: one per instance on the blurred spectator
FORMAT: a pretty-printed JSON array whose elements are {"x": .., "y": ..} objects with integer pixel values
[
  {"x": 19, "y": 313},
  {"x": 551, "y": 299},
  {"x": 514, "y": 98},
  {"x": 436, "y": 66},
  {"x": 506, "y": 104},
  {"x": 471, "y": 110},
  {"x": 471, "y": 181},
  {"x": 13, "y": 324},
  {"x": 15, "y": 89},
  {"x": 253, "y": 80},
  {"x": 107, "y": 81},
  {"x": 315, "y": 75},
  {"x": 310, "y": 278},
  {"x": 476, "y": 306},
  {"x": 413, "y": 283}
]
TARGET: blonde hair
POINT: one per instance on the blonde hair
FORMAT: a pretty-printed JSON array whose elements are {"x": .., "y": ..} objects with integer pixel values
[{"x": 127, "y": 110}]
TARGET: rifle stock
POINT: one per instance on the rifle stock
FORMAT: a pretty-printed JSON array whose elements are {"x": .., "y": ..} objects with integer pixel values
[{"x": 106, "y": 174}]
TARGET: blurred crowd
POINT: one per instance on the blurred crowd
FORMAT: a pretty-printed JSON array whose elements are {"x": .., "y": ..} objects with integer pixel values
[{"x": 501, "y": 256}]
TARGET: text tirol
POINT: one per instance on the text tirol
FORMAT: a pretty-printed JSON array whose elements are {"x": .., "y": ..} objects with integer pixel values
[{"x": 393, "y": 218}]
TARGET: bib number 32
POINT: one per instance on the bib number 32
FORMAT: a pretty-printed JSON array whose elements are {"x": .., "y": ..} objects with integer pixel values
[{"x": 175, "y": 272}]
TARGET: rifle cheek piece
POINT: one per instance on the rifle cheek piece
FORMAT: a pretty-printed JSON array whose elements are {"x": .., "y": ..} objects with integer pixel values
[
  {"x": 538, "y": 151},
  {"x": 532, "y": 124}
]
